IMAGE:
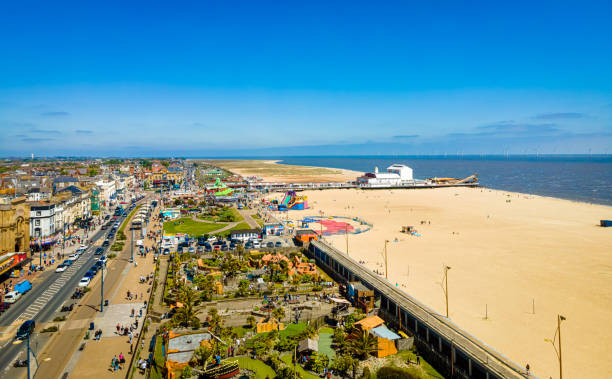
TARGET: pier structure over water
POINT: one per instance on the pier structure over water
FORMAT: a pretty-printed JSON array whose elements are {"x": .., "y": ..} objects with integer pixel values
[{"x": 453, "y": 351}]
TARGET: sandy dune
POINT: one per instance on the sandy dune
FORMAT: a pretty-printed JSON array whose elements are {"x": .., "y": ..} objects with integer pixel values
[
  {"x": 272, "y": 171},
  {"x": 504, "y": 255}
]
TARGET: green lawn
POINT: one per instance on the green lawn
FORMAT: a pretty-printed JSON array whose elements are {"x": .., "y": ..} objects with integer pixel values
[
  {"x": 260, "y": 369},
  {"x": 240, "y": 330},
  {"x": 424, "y": 370},
  {"x": 325, "y": 342},
  {"x": 158, "y": 364},
  {"x": 193, "y": 228},
  {"x": 292, "y": 330},
  {"x": 305, "y": 374}
]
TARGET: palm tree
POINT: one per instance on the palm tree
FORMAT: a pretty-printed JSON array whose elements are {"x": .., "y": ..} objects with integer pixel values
[
  {"x": 363, "y": 344},
  {"x": 186, "y": 313}
]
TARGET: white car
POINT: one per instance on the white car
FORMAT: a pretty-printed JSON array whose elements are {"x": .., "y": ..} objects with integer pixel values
[
  {"x": 61, "y": 268},
  {"x": 103, "y": 259},
  {"x": 212, "y": 239},
  {"x": 83, "y": 247},
  {"x": 84, "y": 282},
  {"x": 12, "y": 297},
  {"x": 73, "y": 257}
]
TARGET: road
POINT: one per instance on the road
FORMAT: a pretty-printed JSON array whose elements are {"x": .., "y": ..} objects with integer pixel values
[{"x": 43, "y": 301}]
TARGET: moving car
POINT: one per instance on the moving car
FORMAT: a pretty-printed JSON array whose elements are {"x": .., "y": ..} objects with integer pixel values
[
  {"x": 99, "y": 251},
  {"x": 61, "y": 268},
  {"x": 84, "y": 282},
  {"x": 26, "y": 329}
]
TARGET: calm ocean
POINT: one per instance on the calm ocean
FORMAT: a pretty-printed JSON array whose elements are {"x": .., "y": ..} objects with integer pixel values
[{"x": 582, "y": 178}]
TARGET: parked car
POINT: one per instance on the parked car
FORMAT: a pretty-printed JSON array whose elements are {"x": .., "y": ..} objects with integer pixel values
[
  {"x": 84, "y": 282},
  {"x": 192, "y": 250},
  {"x": 12, "y": 297},
  {"x": 73, "y": 257},
  {"x": 89, "y": 274},
  {"x": 61, "y": 268},
  {"x": 103, "y": 259},
  {"x": 67, "y": 262},
  {"x": 26, "y": 329},
  {"x": 99, "y": 251},
  {"x": 212, "y": 239},
  {"x": 270, "y": 244},
  {"x": 278, "y": 244},
  {"x": 105, "y": 243},
  {"x": 94, "y": 268}
]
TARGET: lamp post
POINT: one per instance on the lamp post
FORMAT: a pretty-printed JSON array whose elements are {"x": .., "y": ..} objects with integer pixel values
[
  {"x": 552, "y": 342},
  {"x": 346, "y": 233},
  {"x": 132, "y": 243},
  {"x": 102, "y": 289},
  {"x": 386, "y": 262},
  {"x": 446, "y": 268}
]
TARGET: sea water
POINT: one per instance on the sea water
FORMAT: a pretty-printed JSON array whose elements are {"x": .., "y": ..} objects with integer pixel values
[{"x": 579, "y": 177}]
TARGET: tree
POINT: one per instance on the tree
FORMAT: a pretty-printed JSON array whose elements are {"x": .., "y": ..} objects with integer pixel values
[
  {"x": 363, "y": 344},
  {"x": 344, "y": 364},
  {"x": 186, "y": 313},
  {"x": 206, "y": 285},
  {"x": 243, "y": 287},
  {"x": 251, "y": 321},
  {"x": 214, "y": 320},
  {"x": 230, "y": 266},
  {"x": 202, "y": 354},
  {"x": 288, "y": 373},
  {"x": 279, "y": 313},
  {"x": 186, "y": 372},
  {"x": 317, "y": 362}
]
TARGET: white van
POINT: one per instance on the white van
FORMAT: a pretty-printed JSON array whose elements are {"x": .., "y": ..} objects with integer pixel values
[{"x": 12, "y": 297}]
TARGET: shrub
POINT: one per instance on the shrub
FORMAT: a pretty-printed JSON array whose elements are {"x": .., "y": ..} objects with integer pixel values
[
  {"x": 317, "y": 362},
  {"x": 111, "y": 256},
  {"x": 50, "y": 329},
  {"x": 60, "y": 318}
]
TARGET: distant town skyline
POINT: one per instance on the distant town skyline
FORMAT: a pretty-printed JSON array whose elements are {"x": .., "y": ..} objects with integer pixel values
[{"x": 253, "y": 79}]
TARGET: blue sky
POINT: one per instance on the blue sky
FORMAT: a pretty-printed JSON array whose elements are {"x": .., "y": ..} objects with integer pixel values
[{"x": 230, "y": 77}]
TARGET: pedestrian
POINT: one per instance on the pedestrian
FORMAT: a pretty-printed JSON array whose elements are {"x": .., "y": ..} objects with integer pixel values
[{"x": 131, "y": 335}]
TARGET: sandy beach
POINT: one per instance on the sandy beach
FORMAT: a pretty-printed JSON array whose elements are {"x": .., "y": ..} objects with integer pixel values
[
  {"x": 272, "y": 171},
  {"x": 507, "y": 251}
]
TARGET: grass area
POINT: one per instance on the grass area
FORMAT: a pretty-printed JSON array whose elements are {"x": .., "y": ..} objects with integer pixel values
[
  {"x": 241, "y": 330},
  {"x": 292, "y": 330},
  {"x": 242, "y": 225},
  {"x": 193, "y": 228},
  {"x": 325, "y": 342},
  {"x": 158, "y": 360},
  {"x": 423, "y": 371},
  {"x": 256, "y": 216},
  {"x": 261, "y": 370},
  {"x": 117, "y": 246},
  {"x": 326, "y": 329},
  {"x": 305, "y": 374},
  {"x": 128, "y": 218}
]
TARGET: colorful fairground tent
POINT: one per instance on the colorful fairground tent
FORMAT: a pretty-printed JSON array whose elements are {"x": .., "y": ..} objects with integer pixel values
[{"x": 219, "y": 189}]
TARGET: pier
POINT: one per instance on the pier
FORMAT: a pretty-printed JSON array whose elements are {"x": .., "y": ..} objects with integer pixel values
[
  {"x": 453, "y": 351},
  {"x": 276, "y": 186}
]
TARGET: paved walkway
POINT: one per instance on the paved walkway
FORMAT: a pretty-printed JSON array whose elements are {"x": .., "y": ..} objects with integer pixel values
[{"x": 61, "y": 354}]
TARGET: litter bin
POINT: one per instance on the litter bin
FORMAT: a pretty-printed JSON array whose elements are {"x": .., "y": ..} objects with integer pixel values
[
  {"x": 91, "y": 326},
  {"x": 106, "y": 303}
]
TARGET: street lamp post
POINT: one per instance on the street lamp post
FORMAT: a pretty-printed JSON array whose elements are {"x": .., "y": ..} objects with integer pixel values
[
  {"x": 386, "y": 261},
  {"x": 446, "y": 268},
  {"x": 28, "y": 353},
  {"x": 132, "y": 243},
  {"x": 102, "y": 289},
  {"x": 552, "y": 342}
]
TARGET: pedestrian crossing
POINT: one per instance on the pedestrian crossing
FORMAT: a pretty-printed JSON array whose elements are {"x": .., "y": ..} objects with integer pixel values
[{"x": 55, "y": 287}]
